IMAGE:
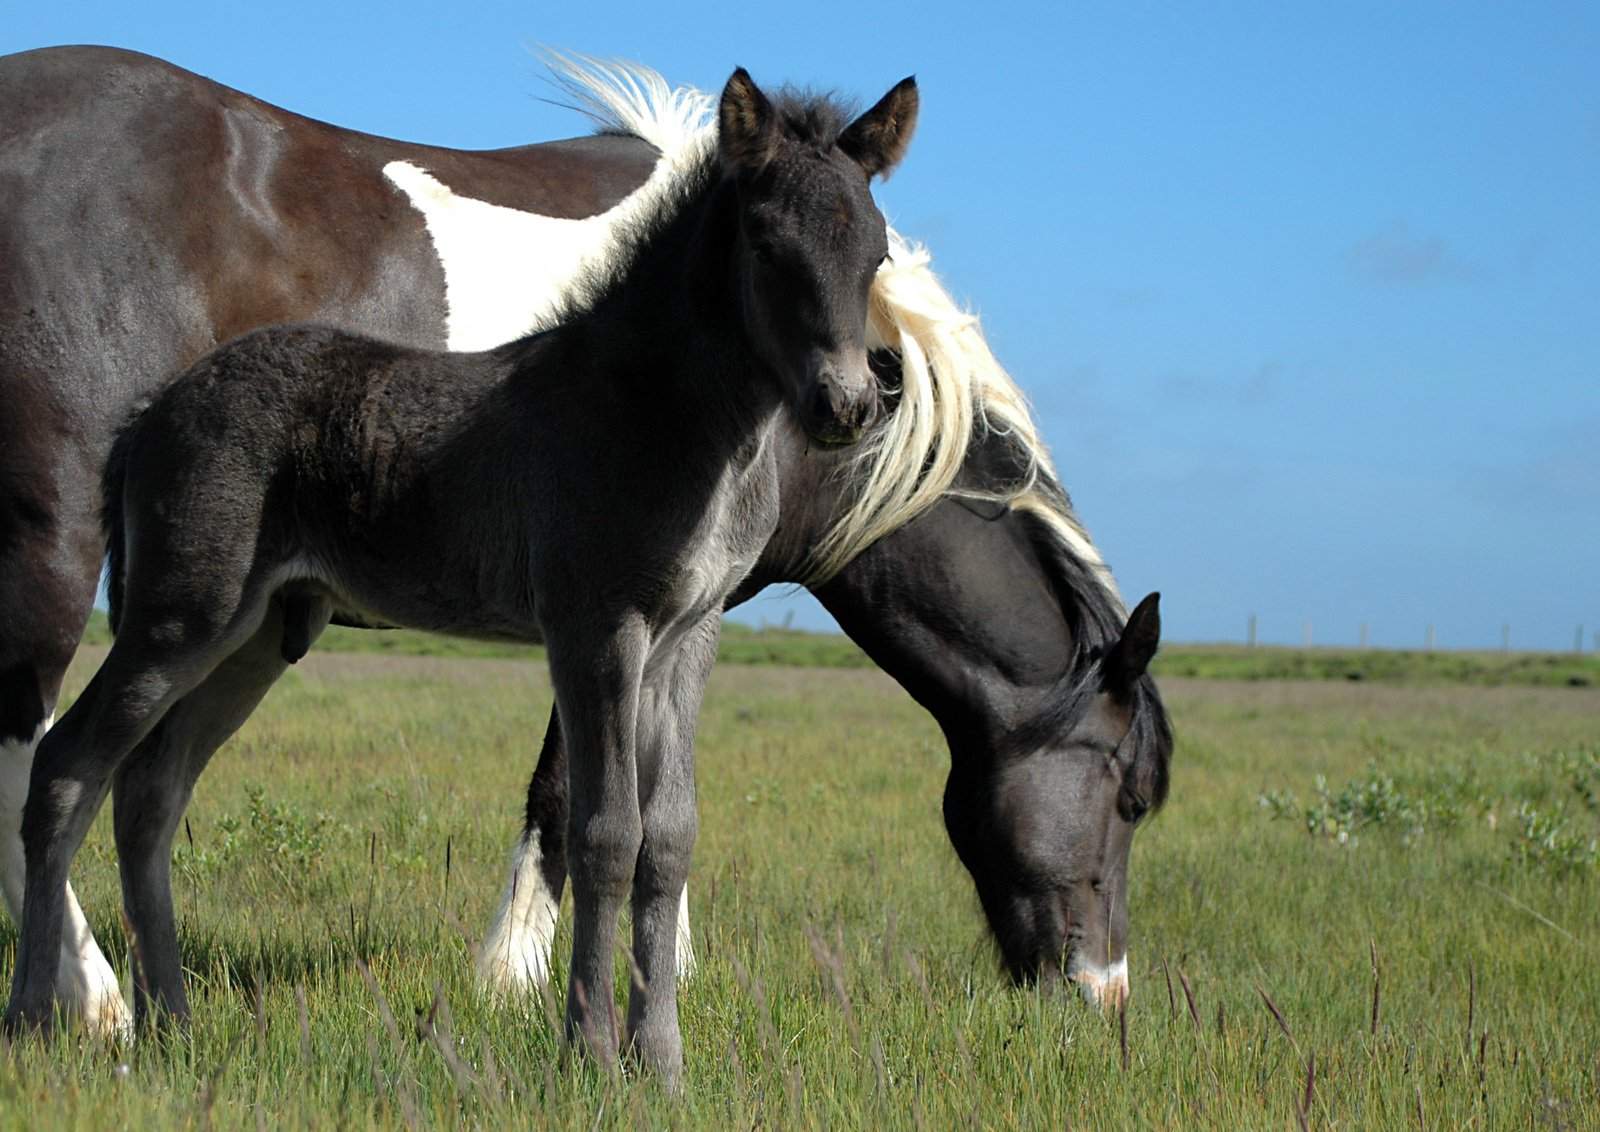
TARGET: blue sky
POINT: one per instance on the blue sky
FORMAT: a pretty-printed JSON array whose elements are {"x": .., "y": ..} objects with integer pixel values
[{"x": 1307, "y": 298}]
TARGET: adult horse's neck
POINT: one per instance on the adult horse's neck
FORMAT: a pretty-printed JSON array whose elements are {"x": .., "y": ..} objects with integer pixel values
[{"x": 957, "y": 605}]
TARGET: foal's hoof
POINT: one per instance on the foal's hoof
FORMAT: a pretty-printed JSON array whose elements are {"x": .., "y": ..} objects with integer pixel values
[{"x": 23, "y": 1020}]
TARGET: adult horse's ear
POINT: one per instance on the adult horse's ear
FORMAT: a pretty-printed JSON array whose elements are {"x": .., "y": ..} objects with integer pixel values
[
  {"x": 877, "y": 140},
  {"x": 747, "y": 127},
  {"x": 1131, "y": 655}
]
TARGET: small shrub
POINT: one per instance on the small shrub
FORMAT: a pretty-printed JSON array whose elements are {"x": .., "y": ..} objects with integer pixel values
[
  {"x": 1371, "y": 800},
  {"x": 1550, "y": 841}
]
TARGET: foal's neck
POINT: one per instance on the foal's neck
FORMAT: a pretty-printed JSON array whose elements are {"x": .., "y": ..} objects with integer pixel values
[{"x": 667, "y": 325}]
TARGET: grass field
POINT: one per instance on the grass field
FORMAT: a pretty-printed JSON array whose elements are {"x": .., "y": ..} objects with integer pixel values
[
  {"x": 742, "y": 644},
  {"x": 845, "y": 978}
]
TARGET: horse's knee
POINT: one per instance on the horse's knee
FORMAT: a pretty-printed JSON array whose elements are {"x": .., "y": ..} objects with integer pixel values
[
  {"x": 602, "y": 850},
  {"x": 670, "y": 829}
]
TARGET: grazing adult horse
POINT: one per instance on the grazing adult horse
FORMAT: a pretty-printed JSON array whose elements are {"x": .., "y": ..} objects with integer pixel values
[
  {"x": 1001, "y": 624},
  {"x": 151, "y": 213},
  {"x": 600, "y": 487}
]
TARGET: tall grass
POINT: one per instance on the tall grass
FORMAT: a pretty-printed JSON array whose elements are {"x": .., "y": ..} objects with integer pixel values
[{"x": 344, "y": 851}]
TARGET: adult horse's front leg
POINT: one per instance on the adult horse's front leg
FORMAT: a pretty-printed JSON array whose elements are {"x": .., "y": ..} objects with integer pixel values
[
  {"x": 515, "y": 956},
  {"x": 597, "y": 689},
  {"x": 669, "y": 705}
]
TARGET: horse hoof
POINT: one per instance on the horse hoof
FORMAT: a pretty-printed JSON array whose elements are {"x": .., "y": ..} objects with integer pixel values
[{"x": 23, "y": 1021}]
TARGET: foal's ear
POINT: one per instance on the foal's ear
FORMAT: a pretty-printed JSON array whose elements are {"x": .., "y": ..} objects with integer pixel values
[
  {"x": 877, "y": 140},
  {"x": 1131, "y": 655},
  {"x": 747, "y": 135}
]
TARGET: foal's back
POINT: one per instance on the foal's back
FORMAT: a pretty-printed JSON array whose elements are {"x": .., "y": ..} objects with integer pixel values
[{"x": 306, "y": 457}]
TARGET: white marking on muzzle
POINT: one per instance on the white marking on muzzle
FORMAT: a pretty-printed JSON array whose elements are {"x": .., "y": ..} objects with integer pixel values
[
  {"x": 86, "y": 986},
  {"x": 515, "y": 956},
  {"x": 1104, "y": 987}
]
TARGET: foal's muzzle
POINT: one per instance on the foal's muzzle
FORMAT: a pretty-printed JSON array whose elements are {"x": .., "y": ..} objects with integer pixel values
[{"x": 842, "y": 405}]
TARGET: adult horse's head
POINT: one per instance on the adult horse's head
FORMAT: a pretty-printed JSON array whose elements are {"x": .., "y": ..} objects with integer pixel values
[
  {"x": 1045, "y": 821},
  {"x": 810, "y": 241}
]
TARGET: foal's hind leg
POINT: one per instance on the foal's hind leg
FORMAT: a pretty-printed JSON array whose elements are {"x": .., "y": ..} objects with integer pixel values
[
  {"x": 151, "y": 666},
  {"x": 669, "y": 706},
  {"x": 152, "y": 788}
]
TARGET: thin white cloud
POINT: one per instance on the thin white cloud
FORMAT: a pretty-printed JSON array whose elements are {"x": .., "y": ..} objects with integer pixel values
[{"x": 1396, "y": 256}]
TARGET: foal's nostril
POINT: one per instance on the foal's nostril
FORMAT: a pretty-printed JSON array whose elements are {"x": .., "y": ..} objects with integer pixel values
[{"x": 823, "y": 406}]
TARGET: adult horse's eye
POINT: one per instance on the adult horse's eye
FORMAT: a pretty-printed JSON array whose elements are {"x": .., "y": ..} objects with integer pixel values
[{"x": 1131, "y": 805}]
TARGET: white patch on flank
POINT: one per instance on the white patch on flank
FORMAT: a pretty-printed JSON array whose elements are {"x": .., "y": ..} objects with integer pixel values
[
  {"x": 507, "y": 272},
  {"x": 86, "y": 985},
  {"x": 1102, "y": 986},
  {"x": 685, "y": 942},
  {"x": 516, "y": 951}
]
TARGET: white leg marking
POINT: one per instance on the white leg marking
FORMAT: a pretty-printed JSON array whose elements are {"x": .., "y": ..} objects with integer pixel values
[
  {"x": 1105, "y": 987},
  {"x": 86, "y": 985},
  {"x": 515, "y": 955},
  {"x": 685, "y": 942}
]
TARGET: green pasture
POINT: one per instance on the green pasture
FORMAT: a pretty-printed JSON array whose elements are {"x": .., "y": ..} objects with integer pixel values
[
  {"x": 744, "y": 644},
  {"x": 1369, "y": 904}
]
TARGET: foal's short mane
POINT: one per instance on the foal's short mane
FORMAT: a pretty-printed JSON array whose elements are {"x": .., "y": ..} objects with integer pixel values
[
  {"x": 953, "y": 393},
  {"x": 635, "y": 101}
]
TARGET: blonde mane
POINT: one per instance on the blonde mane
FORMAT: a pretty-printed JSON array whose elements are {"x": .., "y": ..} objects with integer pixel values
[{"x": 953, "y": 390}]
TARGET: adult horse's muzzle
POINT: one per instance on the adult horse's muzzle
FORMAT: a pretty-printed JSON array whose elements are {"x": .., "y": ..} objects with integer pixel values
[{"x": 843, "y": 402}]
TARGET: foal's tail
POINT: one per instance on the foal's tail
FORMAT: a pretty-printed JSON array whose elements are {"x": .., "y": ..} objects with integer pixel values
[{"x": 112, "y": 482}]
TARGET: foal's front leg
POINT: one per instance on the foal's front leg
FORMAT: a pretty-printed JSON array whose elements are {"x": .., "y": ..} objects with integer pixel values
[
  {"x": 597, "y": 690},
  {"x": 669, "y": 705}
]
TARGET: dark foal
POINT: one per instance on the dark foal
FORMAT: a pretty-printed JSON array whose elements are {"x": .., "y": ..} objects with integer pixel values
[{"x": 601, "y": 487}]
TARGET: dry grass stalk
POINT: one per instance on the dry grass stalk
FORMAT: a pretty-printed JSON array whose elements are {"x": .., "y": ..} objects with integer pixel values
[
  {"x": 436, "y": 1027},
  {"x": 1172, "y": 1002},
  {"x": 1188, "y": 994},
  {"x": 1122, "y": 1031},
  {"x": 1472, "y": 1002},
  {"x": 832, "y": 963},
  {"x": 303, "y": 1012},
  {"x": 1372, "y": 944},
  {"x": 259, "y": 995},
  {"x": 1422, "y": 1120},
  {"x": 1303, "y": 1111},
  {"x": 384, "y": 1013},
  {"x": 921, "y": 980},
  {"x": 1277, "y": 1015},
  {"x": 490, "y": 1083},
  {"x": 140, "y": 982},
  {"x": 757, "y": 990}
]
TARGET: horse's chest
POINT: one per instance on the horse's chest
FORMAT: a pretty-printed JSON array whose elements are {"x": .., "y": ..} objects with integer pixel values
[{"x": 728, "y": 542}]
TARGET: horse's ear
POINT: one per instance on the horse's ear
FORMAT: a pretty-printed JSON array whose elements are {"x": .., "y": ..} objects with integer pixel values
[
  {"x": 747, "y": 134},
  {"x": 1131, "y": 655},
  {"x": 877, "y": 140}
]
